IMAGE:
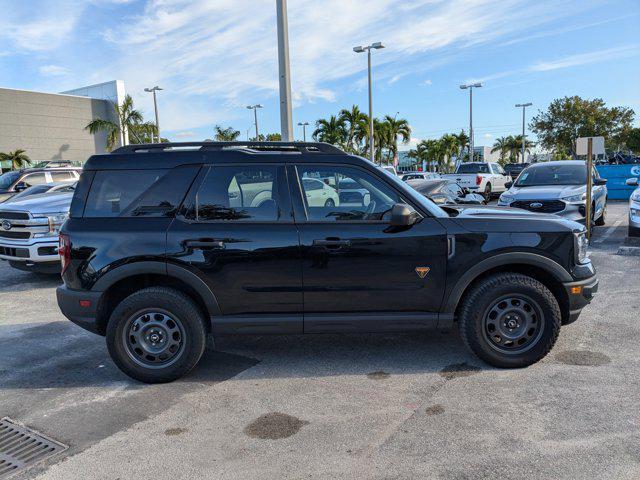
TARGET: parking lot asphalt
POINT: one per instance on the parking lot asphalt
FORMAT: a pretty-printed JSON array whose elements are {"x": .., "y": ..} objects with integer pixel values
[{"x": 335, "y": 406}]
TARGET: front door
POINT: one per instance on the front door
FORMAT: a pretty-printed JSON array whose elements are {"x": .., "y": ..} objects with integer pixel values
[
  {"x": 359, "y": 273},
  {"x": 237, "y": 233}
]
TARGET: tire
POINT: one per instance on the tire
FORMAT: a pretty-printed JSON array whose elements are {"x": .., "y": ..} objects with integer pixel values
[
  {"x": 484, "y": 300},
  {"x": 634, "y": 231},
  {"x": 330, "y": 203},
  {"x": 601, "y": 219},
  {"x": 162, "y": 314},
  {"x": 487, "y": 192}
]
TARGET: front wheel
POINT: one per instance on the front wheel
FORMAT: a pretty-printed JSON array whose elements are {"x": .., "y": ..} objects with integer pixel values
[
  {"x": 156, "y": 335},
  {"x": 330, "y": 203},
  {"x": 509, "y": 320}
]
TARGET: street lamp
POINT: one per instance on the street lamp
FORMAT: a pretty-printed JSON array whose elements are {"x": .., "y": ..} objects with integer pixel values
[
  {"x": 524, "y": 107},
  {"x": 155, "y": 106},
  {"x": 304, "y": 130},
  {"x": 361, "y": 49},
  {"x": 470, "y": 87},
  {"x": 255, "y": 116}
]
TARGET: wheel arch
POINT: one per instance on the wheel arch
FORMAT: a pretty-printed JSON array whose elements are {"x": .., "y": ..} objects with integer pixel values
[
  {"x": 127, "y": 279},
  {"x": 543, "y": 269}
]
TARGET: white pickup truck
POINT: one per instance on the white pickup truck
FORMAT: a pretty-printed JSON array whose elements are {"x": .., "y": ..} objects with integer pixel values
[{"x": 486, "y": 178}]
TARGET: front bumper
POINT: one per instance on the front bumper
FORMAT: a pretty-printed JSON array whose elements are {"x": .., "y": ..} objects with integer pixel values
[
  {"x": 634, "y": 215},
  {"x": 39, "y": 250},
  {"x": 83, "y": 316},
  {"x": 580, "y": 294}
]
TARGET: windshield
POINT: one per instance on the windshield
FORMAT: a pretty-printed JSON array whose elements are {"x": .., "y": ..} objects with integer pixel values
[
  {"x": 426, "y": 187},
  {"x": 7, "y": 179},
  {"x": 473, "y": 168},
  {"x": 544, "y": 175}
]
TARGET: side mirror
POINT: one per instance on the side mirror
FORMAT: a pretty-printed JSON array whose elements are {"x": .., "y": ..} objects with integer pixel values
[
  {"x": 402, "y": 215},
  {"x": 19, "y": 187},
  {"x": 600, "y": 181},
  {"x": 466, "y": 191},
  {"x": 508, "y": 185},
  {"x": 632, "y": 182}
]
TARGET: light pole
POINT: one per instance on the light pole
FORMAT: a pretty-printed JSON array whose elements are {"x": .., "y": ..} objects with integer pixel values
[
  {"x": 255, "y": 117},
  {"x": 470, "y": 87},
  {"x": 304, "y": 130},
  {"x": 361, "y": 49},
  {"x": 286, "y": 125},
  {"x": 524, "y": 107},
  {"x": 155, "y": 106}
]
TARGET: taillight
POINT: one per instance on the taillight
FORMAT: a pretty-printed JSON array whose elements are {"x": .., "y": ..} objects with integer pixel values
[
  {"x": 64, "y": 250},
  {"x": 478, "y": 179}
]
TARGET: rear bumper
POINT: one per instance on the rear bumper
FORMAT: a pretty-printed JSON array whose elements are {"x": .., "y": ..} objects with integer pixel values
[
  {"x": 580, "y": 295},
  {"x": 83, "y": 316}
]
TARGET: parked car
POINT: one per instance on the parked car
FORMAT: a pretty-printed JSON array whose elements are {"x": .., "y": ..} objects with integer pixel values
[
  {"x": 29, "y": 230},
  {"x": 320, "y": 194},
  {"x": 162, "y": 248},
  {"x": 420, "y": 176},
  {"x": 44, "y": 188},
  {"x": 514, "y": 169},
  {"x": 634, "y": 208},
  {"x": 560, "y": 188},
  {"x": 485, "y": 178},
  {"x": 446, "y": 192},
  {"x": 14, "y": 182}
]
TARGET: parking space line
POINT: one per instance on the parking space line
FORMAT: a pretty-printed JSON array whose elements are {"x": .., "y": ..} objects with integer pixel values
[{"x": 609, "y": 231}]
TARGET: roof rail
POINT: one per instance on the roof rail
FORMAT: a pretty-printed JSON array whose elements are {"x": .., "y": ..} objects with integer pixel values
[{"x": 302, "y": 147}]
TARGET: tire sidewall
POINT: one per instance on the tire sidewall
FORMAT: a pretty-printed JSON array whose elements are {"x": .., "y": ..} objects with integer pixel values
[
  {"x": 182, "y": 309},
  {"x": 474, "y": 327}
]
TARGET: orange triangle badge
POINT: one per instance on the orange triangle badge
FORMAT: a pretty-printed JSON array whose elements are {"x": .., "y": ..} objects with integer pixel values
[{"x": 422, "y": 271}]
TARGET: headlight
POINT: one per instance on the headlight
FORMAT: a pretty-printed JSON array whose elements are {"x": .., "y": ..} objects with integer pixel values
[
  {"x": 506, "y": 198},
  {"x": 636, "y": 197},
  {"x": 581, "y": 245},
  {"x": 55, "y": 220},
  {"x": 575, "y": 198}
]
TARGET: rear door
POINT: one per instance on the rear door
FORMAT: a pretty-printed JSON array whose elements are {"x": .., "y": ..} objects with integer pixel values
[
  {"x": 359, "y": 273},
  {"x": 236, "y": 232}
]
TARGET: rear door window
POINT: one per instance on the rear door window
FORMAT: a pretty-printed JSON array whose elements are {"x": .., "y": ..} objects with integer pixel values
[
  {"x": 238, "y": 193},
  {"x": 35, "y": 179},
  {"x": 62, "y": 176}
]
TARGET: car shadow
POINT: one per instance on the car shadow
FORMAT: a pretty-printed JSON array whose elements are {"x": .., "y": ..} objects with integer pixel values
[
  {"x": 60, "y": 355},
  {"x": 18, "y": 281}
]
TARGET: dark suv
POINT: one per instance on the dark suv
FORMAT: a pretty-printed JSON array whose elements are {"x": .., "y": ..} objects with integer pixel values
[{"x": 169, "y": 243}]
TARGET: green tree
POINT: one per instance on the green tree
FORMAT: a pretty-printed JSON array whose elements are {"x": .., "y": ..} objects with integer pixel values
[
  {"x": 356, "y": 125},
  {"x": 331, "y": 131},
  {"x": 569, "y": 118},
  {"x": 274, "y": 137},
  {"x": 449, "y": 147},
  {"x": 128, "y": 122},
  {"x": 419, "y": 154},
  {"x": 18, "y": 158},
  {"x": 632, "y": 140},
  {"x": 228, "y": 134},
  {"x": 463, "y": 142},
  {"x": 396, "y": 129},
  {"x": 501, "y": 145}
]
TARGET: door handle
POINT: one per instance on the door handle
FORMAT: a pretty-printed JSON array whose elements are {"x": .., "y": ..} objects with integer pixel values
[
  {"x": 205, "y": 244},
  {"x": 332, "y": 243}
]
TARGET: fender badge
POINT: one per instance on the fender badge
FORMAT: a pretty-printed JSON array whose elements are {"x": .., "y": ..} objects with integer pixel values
[{"x": 422, "y": 271}]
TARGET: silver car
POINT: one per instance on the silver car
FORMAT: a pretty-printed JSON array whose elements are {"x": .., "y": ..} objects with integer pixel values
[
  {"x": 558, "y": 187},
  {"x": 634, "y": 209}
]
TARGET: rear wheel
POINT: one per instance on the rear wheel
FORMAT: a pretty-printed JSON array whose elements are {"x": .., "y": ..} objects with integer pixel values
[
  {"x": 509, "y": 320},
  {"x": 156, "y": 335}
]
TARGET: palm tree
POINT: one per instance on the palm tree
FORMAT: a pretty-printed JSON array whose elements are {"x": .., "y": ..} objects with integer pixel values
[
  {"x": 18, "y": 158},
  {"x": 501, "y": 145},
  {"x": 127, "y": 120},
  {"x": 273, "y": 137},
  {"x": 450, "y": 147},
  {"x": 356, "y": 123},
  {"x": 528, "y": 145},
  {"x": 225, "y": 134},
  {"x": 463, "y": 141},
  {"x": 396, "y": 128},
  {"x": 433, "y": 154},
  {"x": 419, "y": 154},
  {"x": 331, "y": 131}
]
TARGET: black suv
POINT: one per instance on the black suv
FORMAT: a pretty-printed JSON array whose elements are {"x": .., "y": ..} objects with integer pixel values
[{"x": 169, "y": 243}]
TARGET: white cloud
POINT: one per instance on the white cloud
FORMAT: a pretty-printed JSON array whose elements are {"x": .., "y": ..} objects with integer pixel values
[
  {"x": 184, "y": 134},
  {"x": 587, "y": 58},
  {"x": 215, "y": 50},
  {"x": 53, "y": 71},
  {"x": 426, "y": 83}
]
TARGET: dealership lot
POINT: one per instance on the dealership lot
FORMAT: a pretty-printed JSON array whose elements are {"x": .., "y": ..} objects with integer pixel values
[{"x": 341, "y": 406}]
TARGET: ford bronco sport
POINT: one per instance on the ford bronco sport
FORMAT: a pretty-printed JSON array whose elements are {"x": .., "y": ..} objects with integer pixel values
[{"x": 168, "y": 243}]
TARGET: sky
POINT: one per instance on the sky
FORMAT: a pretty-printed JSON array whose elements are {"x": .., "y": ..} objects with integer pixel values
[{"x": 215, "y": 57}]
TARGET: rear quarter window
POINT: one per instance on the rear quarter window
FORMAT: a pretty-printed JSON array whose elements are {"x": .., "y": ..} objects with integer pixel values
[{"x": 138, "y": 193}]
